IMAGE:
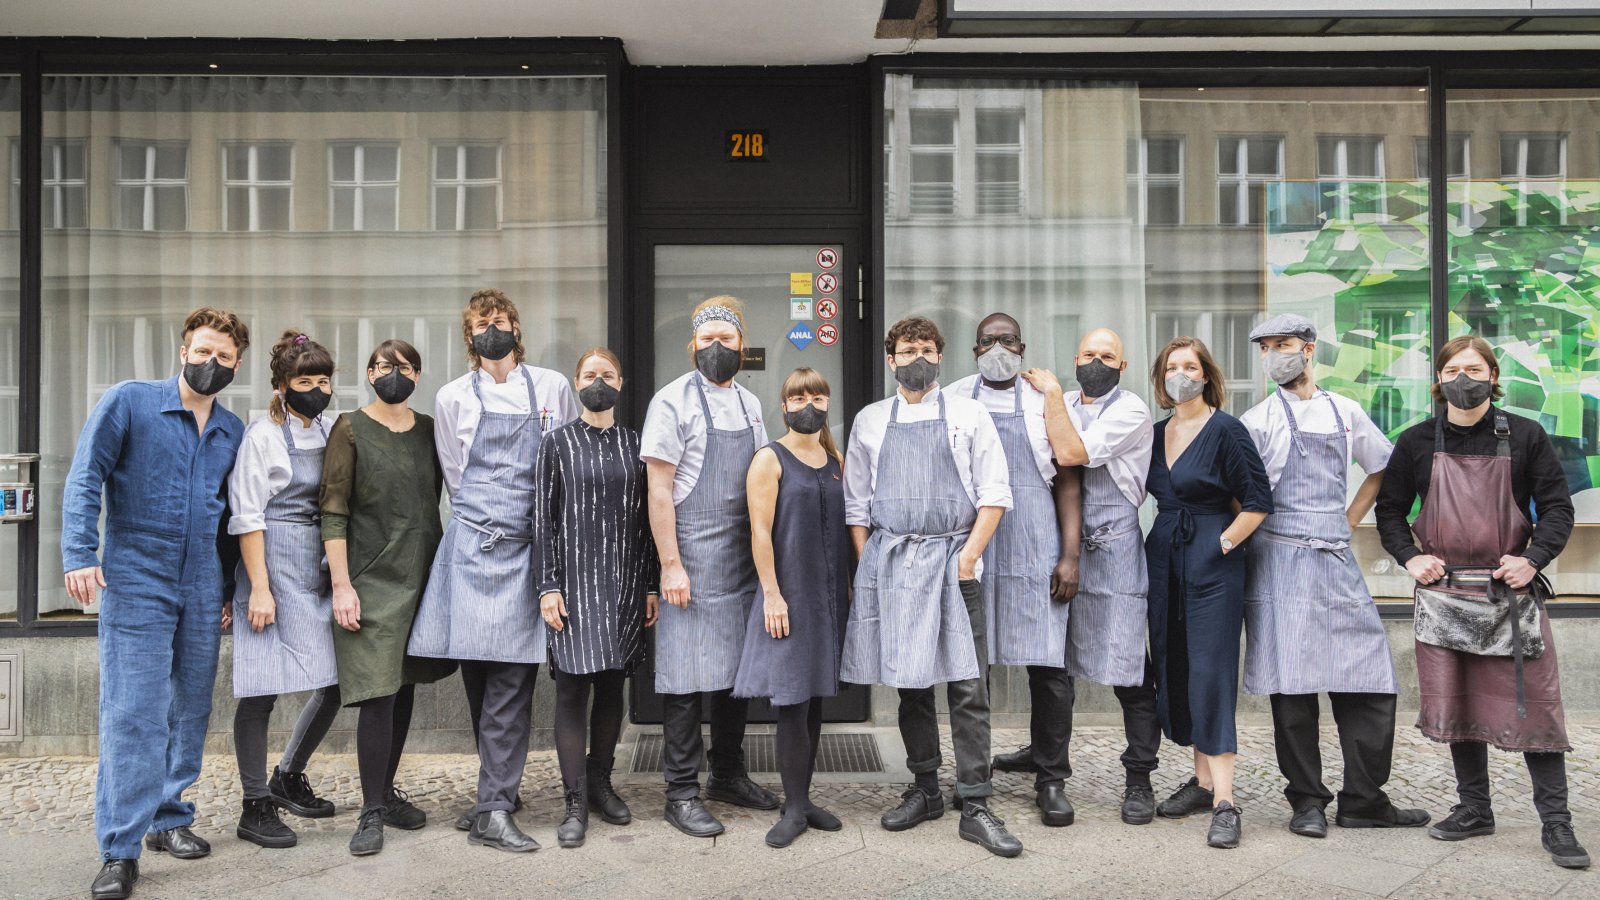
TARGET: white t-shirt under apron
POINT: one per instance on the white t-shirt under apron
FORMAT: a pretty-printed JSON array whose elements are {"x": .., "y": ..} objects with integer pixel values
[
  {"x": 1270, "y": 430},
  {"x": 456, "y": 411},
  {"x": 1118, "y": 435},
  {"x": 675, "y": 426},
  {"x": 1003, "y": 401}
]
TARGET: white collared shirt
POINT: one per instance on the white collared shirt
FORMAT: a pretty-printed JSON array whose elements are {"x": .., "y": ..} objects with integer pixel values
[
  {"x": 1003, "y": 401},
  {"x": 1119, "y": 436},
  {"x": 1270, "y": 430},
  {"x": 262, "y": 468},
  {"x": 979, "y": 458},
  {"x": 675, "y": 426},
  {"x": 456, "y": 412}
]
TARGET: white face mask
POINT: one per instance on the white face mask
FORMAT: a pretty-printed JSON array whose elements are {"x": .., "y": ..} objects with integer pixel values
[{"x": 999, "y": 364}]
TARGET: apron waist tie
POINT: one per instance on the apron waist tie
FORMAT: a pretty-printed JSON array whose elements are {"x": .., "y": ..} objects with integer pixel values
[
  {"x": 1337, "y": 548},
  {"x": 914, "y": 539},
  {"x": 494, "y": 535},
  {"x": 1101, "y": 539}
]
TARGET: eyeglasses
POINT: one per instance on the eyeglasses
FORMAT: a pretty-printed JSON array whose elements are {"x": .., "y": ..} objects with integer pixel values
[
  {"x": 928, "y": 353},
  {"x": 384, "y": 367},
  {"x": 796, "y": 402},
  {"x": 1008, "y": 341}
]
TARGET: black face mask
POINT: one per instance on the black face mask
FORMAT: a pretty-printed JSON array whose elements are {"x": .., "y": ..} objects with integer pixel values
[
  {"x": 717, "y": 362},
  {"x": 917, "y": 374},
  {"x": 208, "y": 377},
  {"x": 494, "y": 343},
  {"x": 597, "y": 396},
  {"x": 307, "y": 403},
  {"x": 805, "y": 420},
  {"x": 1466, "y": 392},
  {"x": 394, "y": 387},
  {"x": 1096, "y": 379}
]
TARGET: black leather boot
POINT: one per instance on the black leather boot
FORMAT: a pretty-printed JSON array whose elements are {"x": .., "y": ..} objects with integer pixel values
[
  {"x": 602, "y": 798},
  {"x": 497, "y": 829},
  {"x": 260, "y": 825},
  {"x": 576, "y": 824}
]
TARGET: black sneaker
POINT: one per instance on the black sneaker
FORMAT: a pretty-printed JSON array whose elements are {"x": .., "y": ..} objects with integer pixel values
[
  {"x": 399, "y": 811},
  {"x": 1563, "y": 846},
  {"x": 260, "y": 825},
  {"x": 740, "y": 791},
  {"x": 987, "y": 830},
  {"x": 292, "y": 791},
  {"x": 1225, "y": 827},
  {"x": 368, "y": 838},
  {"x": 1186, "y": 801},
  {"x": 915, "y": 808},
  {"x": 1015, "y": 761},
  {"x": 1138, "y": 804},
  {"x": 1462, "y": 823}
]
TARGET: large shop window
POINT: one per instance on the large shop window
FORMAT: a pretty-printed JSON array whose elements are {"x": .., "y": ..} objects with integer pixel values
[
  {"x": 355, "y": 208},
  {"x": 1525, "y": 209},
  {"x": 10, "y": 315},
  {"x": 1161, "y": 211}
]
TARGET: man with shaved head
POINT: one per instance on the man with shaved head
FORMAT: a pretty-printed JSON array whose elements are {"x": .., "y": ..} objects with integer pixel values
[{"x": 1107, "y": 431}]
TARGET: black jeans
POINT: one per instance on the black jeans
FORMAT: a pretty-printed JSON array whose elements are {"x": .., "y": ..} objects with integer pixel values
[
  {"x": 1366, "y": 737},
  {"x": 969, "y": 715},
  {"x": 681, "y": 744},
  {"x": 1142, "y": 727},
  {"x": 1050, "y": 723},
  {"x": 1548, "y": 771}
]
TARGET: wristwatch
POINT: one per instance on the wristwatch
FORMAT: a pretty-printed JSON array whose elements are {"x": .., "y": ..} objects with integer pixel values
[{"x": 1227, "y": 544}]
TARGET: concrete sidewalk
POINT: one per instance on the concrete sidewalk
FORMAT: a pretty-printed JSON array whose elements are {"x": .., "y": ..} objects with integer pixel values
[{"x": 46, "y": 814}]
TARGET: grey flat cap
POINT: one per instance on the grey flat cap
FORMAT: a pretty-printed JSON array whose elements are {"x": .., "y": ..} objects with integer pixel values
[{"x": 1285, "y": 325}]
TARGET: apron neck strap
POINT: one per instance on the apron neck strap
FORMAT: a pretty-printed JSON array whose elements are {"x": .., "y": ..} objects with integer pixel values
[
  {"x": 1294, "y": 427},
  {"x": 1502, "y": 431},
  {"x": 527, "y": 378},
  {"x": 894, "y": 408},
  {"x": 705, "y": 407},
  {"x": 288, "y": 430},
  {"x": 1016, "y": 393}
]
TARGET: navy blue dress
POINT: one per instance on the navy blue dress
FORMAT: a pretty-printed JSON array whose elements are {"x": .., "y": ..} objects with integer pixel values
[
  {"x": 810, "y": 549},
  {"x": 1196, "y": 593}
]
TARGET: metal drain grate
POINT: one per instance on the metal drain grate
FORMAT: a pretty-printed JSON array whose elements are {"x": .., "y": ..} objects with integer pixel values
[{"x": 835, "y": 753}]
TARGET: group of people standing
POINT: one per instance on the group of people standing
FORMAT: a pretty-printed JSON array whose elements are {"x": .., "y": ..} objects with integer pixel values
[{"x": 992, "y": 521}]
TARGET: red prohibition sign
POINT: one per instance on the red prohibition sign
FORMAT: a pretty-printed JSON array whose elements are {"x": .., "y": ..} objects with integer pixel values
[
  {"x": 827, "y": 308},
  {"x": 827, "y": 283},
  {"x": 827, "y": 257},
  {"x": 828, "y": 333}
]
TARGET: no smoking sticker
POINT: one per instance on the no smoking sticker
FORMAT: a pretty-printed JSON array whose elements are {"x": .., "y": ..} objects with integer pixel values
[
  {"x": 828, "y": 334},
  {"x": 827, "y": 308},
  {"x": 827, "y": 258},
  {"x": 827, "y": 283}
]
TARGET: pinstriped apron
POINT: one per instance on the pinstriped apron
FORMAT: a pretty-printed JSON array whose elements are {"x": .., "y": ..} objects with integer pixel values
[
  {"x": 1310, "y": 624},
  {"x": 1026, "y": 627},
  {"x": 698, "y": 648},
  {"x": 1106, "y": 636},
  {"x": 909, "y": 626},
  {"x": 480, "y": 603},
  {"x": 295, "y": 653}
]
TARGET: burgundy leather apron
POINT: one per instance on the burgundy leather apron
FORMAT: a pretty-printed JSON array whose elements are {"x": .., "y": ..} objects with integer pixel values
[{"x": 1471, "y": 518}]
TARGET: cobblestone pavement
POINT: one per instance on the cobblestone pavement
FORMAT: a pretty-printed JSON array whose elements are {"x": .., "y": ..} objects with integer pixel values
[{"x": 46, "y": 811}]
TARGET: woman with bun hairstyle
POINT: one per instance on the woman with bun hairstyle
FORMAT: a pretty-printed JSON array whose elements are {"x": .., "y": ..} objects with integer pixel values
[
  {"x": 381, "y": 485},
  {"x": 283, "y": 630},
  {"x": 796, "y": 628}
]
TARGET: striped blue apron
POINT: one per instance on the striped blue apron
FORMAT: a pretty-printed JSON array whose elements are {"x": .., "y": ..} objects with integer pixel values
[
  {"x": 1310, "y": 624},
  {"x": 1107, "y": 632},
  {"x": 480, "y": 603},
  {"x": 909, "y": 626},
  {"x": 698, "y": 648},
  {"x": 295, "y": 653},
  {"x": 1026, "y": 627}
]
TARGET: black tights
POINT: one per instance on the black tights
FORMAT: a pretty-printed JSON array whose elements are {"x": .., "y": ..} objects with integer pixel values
[
  {"x": 381, "y": 733},
  {"x": 575, "y": 722},
  {"x": 799, "y": 727}
]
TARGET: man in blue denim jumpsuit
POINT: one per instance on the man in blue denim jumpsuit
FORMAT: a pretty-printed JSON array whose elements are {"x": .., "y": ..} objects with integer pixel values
[{"x": 161, "y": 452}]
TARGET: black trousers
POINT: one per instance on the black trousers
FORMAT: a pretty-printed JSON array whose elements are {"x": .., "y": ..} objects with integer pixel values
[
  {"x": 1366, "y": 737},
  {"x": 1050, "y": 723},
  {"x": 681, "y": 744},
  {"x": 1141, "y": 726},
  {"x": 1548, "y": 771},
  {"x": 503, "y": 725},
  {"x": 969, "y": 715}
]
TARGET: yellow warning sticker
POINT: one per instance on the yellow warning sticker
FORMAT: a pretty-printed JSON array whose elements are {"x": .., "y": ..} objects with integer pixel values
[{"x": 799, "y": 282}]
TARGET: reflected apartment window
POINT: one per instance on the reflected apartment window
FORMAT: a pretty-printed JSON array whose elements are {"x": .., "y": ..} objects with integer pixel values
[
  {"x": 364, "y": 187},
  {"x": 65, "y": 196},
  {"x": 1527, "y": 160},
  {"x": 1344, "y": 164},
  {"x": 152, "y": 186},
  {"x": 1155, "y": 180},
  {"x": 1457, "y": 167},
  {"x": 466, "y": 187},
  {"x": 257, "y": 186},
  {"x": 1245, "y": 166},
  {"x": 998, "y": 162},
  {"x": 933, "y": 162}
]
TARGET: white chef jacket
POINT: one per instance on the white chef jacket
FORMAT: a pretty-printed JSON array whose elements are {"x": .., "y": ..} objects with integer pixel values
[
  {"x": 1367, "y": 445},
  {"x": 262, "y": 468},
  {"x": 675, "y": 426},
  {"x": 979, "y": 458},
  {"x": 456, "y": 411},
  {"x": 1119, "y": 436},
  {"x": 1004, "y": 402}
]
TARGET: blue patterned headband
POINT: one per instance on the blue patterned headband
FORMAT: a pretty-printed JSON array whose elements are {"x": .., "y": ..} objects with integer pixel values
[{"x": 715, "y": 314}]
